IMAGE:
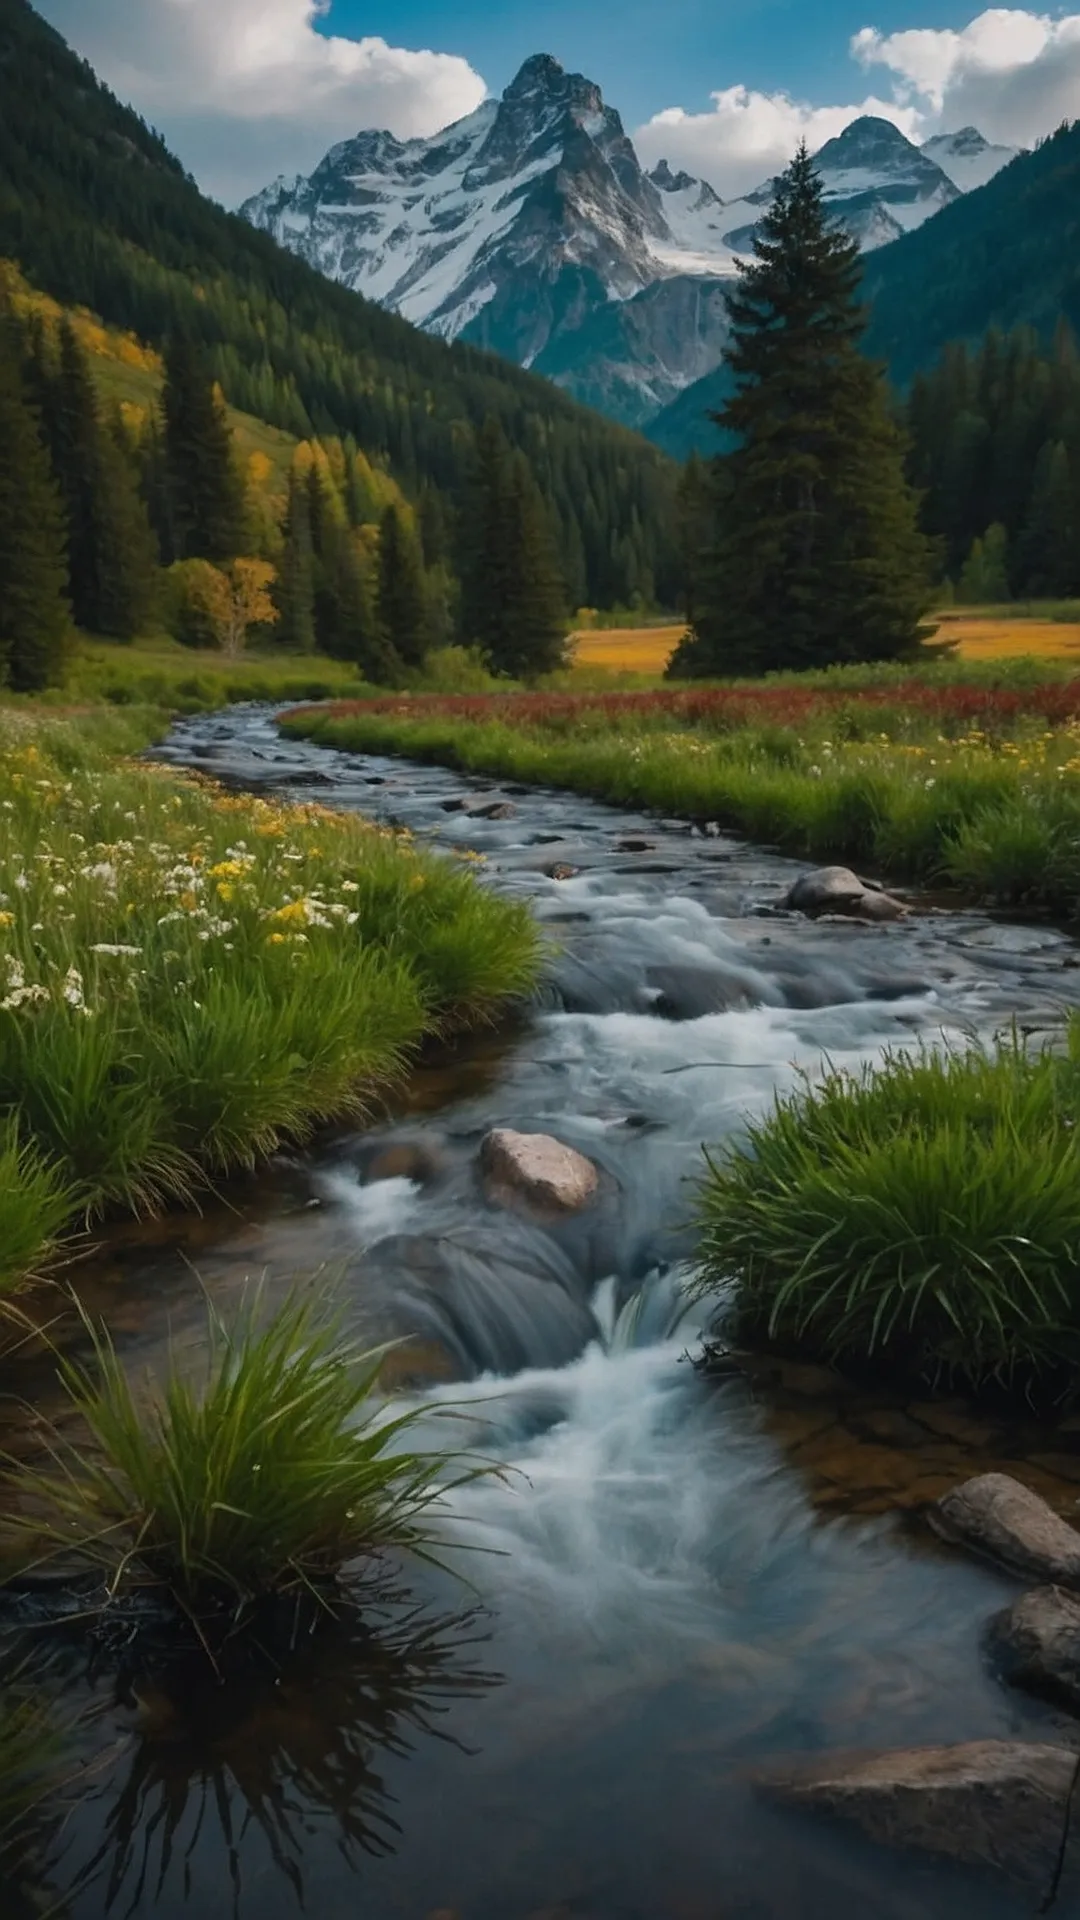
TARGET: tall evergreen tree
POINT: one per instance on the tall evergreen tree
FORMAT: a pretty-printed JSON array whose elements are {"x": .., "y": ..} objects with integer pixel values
[
  {"x": 984, "y": 576},
  {"x": 112, "y": 553},
  {"x": 533, "y": 637},
  {"x": 402, "y": 596},
  {"x": 819, "y": 556},
  {"x": 295, "y": 591},
  {"x": 483, "y": 543},
  {"x": 512, "y": 593},
  {"x": 35, "y": 618},
  {"x": 205, "y": 488},
  {"x": 1048, "y": 550}
]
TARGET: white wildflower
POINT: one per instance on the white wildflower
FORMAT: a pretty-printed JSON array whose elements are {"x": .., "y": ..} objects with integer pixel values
[{"x": 106, "y": 946}]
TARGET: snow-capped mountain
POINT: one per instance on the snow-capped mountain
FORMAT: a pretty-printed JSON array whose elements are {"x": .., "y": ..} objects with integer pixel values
[
  {"x": 968, "y": 159},
  {"x": 531, "y": 228}
]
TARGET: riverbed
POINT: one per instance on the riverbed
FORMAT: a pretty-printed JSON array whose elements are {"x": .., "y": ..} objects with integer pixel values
[{"x": 678, "y": 1577}]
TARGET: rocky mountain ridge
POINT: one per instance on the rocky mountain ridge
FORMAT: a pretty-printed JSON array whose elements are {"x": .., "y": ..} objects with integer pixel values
[{"x": 531, "y": 228}]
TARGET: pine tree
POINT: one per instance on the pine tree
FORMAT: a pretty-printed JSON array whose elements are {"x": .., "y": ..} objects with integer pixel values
[
  {"x": 533, "y": 639},
  {"x": 35, "y": 618},
  {"x": 819, "y": 556},
  {"x": 295, "y": 592},
  {"x": 402, "y": 597},
  {"x": 346, "y": 624},
  {"x": 112, "y": 553},
  {"x": 984, "y": 576},
  {"x": 205, "y": 489},
  {"x": 483, "y": 543},
  {"x": 1048, "y": 550},
  {"x": 512, "y": 592}
]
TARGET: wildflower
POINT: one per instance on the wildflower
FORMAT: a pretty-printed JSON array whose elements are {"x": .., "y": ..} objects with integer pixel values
[
  {"x": 277, "y": 939},
  {"x": 7, "y": 919},
  {"x": 290, "y": 914},
  {"x": 23, "y": 997},
  {"x": 113, "y": 947},
  {"x": 72, "y": 988}
]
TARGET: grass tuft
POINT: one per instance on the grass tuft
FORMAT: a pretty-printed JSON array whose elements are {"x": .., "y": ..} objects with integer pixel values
[
  {"x": 923, "y": 1217},
  {"x": 271, "y": 1472}
]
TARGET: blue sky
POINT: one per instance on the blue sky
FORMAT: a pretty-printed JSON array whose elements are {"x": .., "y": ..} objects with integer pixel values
[
  {"x": 247, "y": 89},
  {"x": 651, "y": 54}
]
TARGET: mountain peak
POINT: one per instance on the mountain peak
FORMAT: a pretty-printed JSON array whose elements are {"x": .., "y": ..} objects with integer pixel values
[
  {"x": 540, "y": 73},
  {"x": 662, "y": 177},
  {"x": 965, "y": 140},
  {"x": 868, "y": 136}
]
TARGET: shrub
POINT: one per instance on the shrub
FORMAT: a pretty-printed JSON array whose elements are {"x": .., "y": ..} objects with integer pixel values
[
  {"x": 923, "y": 1217},
  {"x": 271, "y": 1475}
]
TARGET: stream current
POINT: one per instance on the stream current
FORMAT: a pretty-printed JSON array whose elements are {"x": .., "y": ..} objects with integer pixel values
[{"x": 684, "y": 1578}]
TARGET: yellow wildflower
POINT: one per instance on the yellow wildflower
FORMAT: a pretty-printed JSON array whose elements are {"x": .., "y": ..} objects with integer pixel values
[
  {"x": 277, "y": 939},
  {"x": 294, "y": 910},
  {"x": 7, "y": 919}
]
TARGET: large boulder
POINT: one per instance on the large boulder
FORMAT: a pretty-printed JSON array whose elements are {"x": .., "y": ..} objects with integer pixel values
[
  {"x": 1001, "y": 1518},
  {"x": 537, "y": 1172},
  {"x": 994, "y": 1803},
  {"x": 838, "y": 890},
  {"x": 1038, "y": 1644}
]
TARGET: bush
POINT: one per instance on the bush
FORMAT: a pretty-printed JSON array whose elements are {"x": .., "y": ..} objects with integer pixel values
[
  {"x": 923, "y": 1218},
  {"x": 270, "y": 1476}
]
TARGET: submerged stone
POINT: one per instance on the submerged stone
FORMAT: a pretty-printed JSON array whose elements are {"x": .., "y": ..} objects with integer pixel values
[
  {"x": 1000, "y": 1804},
  {"x": 1001, "y": 1518},
  {"x": 1038, "y": 1644}
]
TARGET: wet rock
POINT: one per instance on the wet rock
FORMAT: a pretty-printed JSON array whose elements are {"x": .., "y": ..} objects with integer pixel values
[
  {"x": 836, "y": 890},
  {"x": 479, "y": 806},
  {"x": 418, "y": 1160},
  {"x": 1038, "y": 1644},
  {"x": 1001, "y": 1518},
  {"x": 536, "y": 1170},
  {"x": 559, "y": 870},
  {"x": 688, "y": 992},
  {"x": 993, "y": 1803},
  {"x": 634, "y": 845}
]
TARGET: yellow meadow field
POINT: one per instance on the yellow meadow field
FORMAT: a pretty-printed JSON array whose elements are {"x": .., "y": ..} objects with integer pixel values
[
  {"x": 982, "y": 637},
  {"x": 627, "y": 649}
]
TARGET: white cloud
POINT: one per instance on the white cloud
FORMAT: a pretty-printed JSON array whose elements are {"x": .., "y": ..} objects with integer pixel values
[
  {"x": 748, "y": 136},
  {"x": 246, "y": 89},
  {"x": 1013, "y": 74}
]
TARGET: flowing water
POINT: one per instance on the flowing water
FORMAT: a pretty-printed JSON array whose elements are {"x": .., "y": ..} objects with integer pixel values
[{"x": 684, "y": 1578}]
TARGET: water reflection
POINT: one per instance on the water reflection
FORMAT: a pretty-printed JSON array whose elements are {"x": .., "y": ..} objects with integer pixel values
[{"x": 224, "y": 1782}]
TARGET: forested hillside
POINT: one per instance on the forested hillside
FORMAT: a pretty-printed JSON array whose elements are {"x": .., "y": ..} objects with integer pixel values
[
  {"x": 995, "y": 453},
  {"x": 98, "y": 213},
  {"x": 1006, "y": 256}
]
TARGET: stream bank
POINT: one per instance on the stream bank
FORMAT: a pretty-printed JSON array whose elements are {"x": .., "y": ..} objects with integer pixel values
[{"x": 688, "y": 1579}]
